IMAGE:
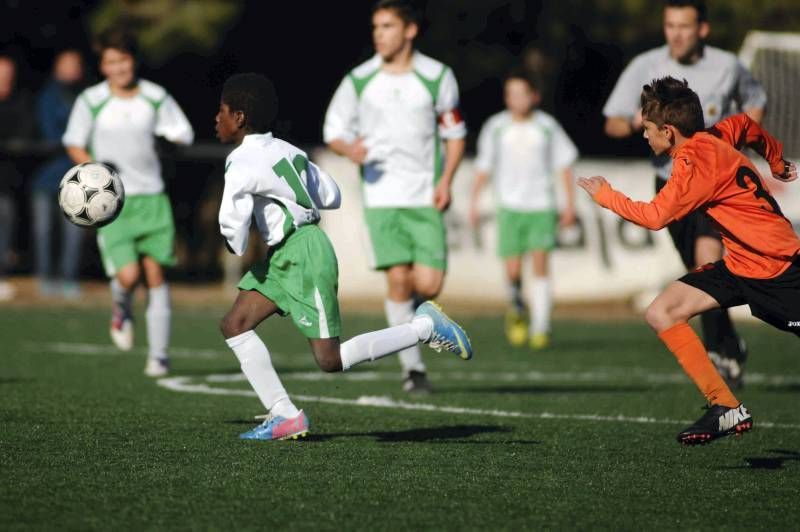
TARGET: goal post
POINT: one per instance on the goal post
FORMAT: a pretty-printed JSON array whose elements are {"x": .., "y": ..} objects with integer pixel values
[{"x": 774, "y": 60}]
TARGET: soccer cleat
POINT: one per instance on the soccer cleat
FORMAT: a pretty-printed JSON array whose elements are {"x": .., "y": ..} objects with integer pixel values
[
  {"x": 121, "y": 329},
  {"x": 516, "y": 328},
  {"x": 539, "y": 341},
  {"x": 279, "y": 428},
  {"x": 417, "y": 383},
  {"x": 718, "y": 421},
  {"x": 446, "y": 333},
  {"x": 156, "y": 367}
]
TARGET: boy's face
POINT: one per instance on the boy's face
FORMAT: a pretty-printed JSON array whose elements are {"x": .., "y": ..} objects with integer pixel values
[
  {"x": 659, "y": 138},
  {"x": 118, "y": 67},
  {"x": 683, "y": 32},
  {"x": 228, "y": 123},
  {"x": 390, "y": 33},
  {"x": 519, "y": 97}
]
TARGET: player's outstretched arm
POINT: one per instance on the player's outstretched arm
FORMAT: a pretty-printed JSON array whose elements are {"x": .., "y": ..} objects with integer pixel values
[{"x": 741, "y": 131}]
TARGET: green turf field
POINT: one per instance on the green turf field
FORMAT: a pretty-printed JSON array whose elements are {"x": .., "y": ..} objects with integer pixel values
[{"x": 580, "y": 436}]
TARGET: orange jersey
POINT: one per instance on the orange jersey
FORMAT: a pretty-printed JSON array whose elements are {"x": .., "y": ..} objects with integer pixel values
[{"x": 710, "y": 174}]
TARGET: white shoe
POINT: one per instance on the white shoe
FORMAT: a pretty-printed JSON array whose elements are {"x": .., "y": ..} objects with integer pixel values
[
  {"x": 122, "y": 334},
  {"x": 7, "y": 291},
  {"x": 157, "y": 367}
]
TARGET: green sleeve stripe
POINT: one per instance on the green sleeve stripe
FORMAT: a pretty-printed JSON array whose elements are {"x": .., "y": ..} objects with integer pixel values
[
  {"x": 361, "y": 83},
  {"x": 432, "y": 84},
  {"x": 152, "y": 101}
]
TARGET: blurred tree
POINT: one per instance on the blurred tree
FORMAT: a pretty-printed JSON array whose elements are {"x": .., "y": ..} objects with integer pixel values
[{"x": 169, "y": 27}]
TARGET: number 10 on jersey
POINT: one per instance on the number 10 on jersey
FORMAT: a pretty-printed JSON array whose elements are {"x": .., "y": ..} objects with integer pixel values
[{"x": 291, "y": 174}]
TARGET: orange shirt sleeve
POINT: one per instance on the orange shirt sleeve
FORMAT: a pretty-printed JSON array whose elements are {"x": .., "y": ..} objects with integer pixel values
[
  {"x": 688, "y": 188},
  {"x": 741, "y": 131}
]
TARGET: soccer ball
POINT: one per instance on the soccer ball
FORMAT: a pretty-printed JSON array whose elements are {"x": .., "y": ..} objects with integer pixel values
[{"x": 91, "y": 194}]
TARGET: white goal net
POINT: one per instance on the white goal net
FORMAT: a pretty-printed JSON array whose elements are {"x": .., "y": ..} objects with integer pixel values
[{"x": 774, "y": 60}]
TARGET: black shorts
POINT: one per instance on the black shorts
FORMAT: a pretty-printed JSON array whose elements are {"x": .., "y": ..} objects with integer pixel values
[
  {"x": 775, "y": 301},
  {"x": 687, "y": 230}
]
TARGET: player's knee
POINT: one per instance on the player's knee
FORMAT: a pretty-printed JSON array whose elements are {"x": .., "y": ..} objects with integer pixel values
[
  {"x": 428, "y": 288},
  {"x": 662, "y": 315},
  {"x": 328, "y": 363},
  {"x": 232, "y": 325}
]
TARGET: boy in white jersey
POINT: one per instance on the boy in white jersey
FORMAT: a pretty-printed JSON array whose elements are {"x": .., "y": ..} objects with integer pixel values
[
  {"x": 389, "y": 115},
  {"x": 275, "y": 183},
  {"x": 117, "y": 122},
  {"x": 523, "y": 149}
]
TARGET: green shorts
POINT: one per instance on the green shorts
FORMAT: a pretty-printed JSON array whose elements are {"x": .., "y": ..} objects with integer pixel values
[
  {"x": 144, "y": 227},
  {"x": 519, "y": 232},
  {"x": 407, "y": 236},
  {"x": 301, "y": 276}
]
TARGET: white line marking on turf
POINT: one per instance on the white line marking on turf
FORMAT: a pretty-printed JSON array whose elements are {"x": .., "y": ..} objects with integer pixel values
[
  {"x": 184, "y": 385},
  {"x": 600, "y": 374}
]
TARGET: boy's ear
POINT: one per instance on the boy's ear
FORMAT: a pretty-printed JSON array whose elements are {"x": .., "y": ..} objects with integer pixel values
[{"x": 238, "y": 117}]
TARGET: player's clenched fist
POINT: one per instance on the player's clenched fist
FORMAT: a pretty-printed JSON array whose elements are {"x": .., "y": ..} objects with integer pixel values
[
  {"x": 592, "y": 185},
  {"x": 789, "y": 172}
]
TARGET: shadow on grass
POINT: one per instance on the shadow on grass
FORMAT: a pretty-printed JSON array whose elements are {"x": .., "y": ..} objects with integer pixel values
[
  {"x": 769, "y": 462},
  {"x": 448, "y": 434},
  {"x": 534, "y": 390},
  {"x": 14, "y": 380}
]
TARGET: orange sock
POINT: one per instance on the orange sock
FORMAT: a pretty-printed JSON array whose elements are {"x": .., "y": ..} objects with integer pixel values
[{"x": 692, "y": 355}]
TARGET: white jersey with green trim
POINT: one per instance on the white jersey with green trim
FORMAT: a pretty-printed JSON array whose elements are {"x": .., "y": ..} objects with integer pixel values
[
  {"x": 402, "y": 119},
  {"x": 274, "y": 182},
  {"x": 523, "y": 159},
  {"x": 122, "y": 131}
]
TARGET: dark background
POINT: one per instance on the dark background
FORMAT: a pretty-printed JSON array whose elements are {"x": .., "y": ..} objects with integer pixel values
[{"x": 578, "y": 47}]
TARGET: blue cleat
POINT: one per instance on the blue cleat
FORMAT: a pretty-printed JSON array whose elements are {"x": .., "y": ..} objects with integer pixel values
[
  {"x": 446, "y": 334},
  {"x": 279, "y": 428}
]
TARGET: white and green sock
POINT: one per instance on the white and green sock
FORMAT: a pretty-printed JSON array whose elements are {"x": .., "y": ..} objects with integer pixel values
[
  {"x": 378, "y": 344},
  {"x": 256, "y": 365}
]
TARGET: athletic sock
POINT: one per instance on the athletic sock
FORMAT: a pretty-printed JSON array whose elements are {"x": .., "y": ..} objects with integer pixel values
[
  {"x": 401, "y": 313},
  {"x": 158, "y": 316},
  {"x": 541, "y": 305},
  {"x": 378, "y": 344},
  {"x": 684, "y": 343},
  {"x": 515, "y": 294},
  {"x": 256, "y": 365},
  {"x": 122, "y": 297}
]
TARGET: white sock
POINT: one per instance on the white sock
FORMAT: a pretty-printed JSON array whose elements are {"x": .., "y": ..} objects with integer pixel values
[
  {"x": 121, "y": 297},
  {"x": 399, "y": 313},
  {"x": 541, "y": 305},
  {"x": 158, "y": 316},
  {"x": 377, "y": 344},
  {"x": 256, "y": 365}
]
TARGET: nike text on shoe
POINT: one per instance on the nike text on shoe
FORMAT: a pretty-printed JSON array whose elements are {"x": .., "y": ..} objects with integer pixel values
[
  {"x": 718, "y": 421},
  {"x": 279, "y": 428},
  {"x": 447, "y": 334}
]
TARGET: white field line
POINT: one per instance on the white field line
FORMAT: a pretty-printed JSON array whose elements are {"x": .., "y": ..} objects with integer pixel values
[
  {"x": 601, "y": 374},
  {"x": 184, "y": 385}
]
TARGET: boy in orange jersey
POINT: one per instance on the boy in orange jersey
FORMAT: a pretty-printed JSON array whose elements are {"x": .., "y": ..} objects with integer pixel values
[{"x": 761, "y": 267}]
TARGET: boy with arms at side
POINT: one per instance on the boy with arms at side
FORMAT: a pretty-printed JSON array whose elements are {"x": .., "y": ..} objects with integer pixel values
[
  {"x": 117, "y": 122},
  {"x": 275, "y": 183},
  {"x": 522, "y": 149},
  {"x": 761, "y": 267},
  {"x": 396, "y": 116}
]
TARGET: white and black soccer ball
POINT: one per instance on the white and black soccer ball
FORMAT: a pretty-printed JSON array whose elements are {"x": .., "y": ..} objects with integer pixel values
[{"x": 91, "y": 194}]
